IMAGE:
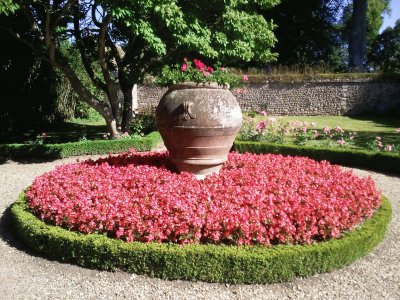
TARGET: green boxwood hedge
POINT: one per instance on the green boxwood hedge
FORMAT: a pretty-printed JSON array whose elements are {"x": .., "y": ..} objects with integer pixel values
[
  {"x": 212, "y": 263},
  {"x": 379, "y": 161},
  {"x": 56, "y": 151}
]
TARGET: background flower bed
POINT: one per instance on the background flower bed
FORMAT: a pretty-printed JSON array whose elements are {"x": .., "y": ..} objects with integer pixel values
[
  {"x": 323, "y": 132},
  {"x": 135, "y": 197}
]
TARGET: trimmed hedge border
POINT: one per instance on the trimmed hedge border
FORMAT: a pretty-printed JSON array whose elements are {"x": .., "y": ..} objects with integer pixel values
[
  {"x": 212, "y": 263},
  {"x": 379, "y": 161},
  {"x": 56, "y": 151}
]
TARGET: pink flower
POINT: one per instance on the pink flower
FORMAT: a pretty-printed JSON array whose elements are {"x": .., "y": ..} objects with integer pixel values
[
  {"x": 389, "y": 148},
  {"x": 254, "y": 200},
  {"x": 223, "y": 69},
  {"x": 43, "y": 136},
  {"x": 199, "y": 65},
  {"x": 339, "y": 129},
  {"x": 398, "y": 130},
  {"x": 378, "y": 138},
  {"x": 326, "y": 130},
  {"x": 263, "y": 112},
  {"x": 245, "y": 78},
  {"x": 260, "y": 126},
  {"x": 184, "y": 67},
  {"x": 341, "y": 142},
  {"x": 206, "y": 73},
  {"x": 210, "y": 69}
]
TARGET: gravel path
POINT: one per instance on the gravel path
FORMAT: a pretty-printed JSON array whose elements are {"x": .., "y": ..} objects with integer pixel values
[{"x": 26, "y": 276}]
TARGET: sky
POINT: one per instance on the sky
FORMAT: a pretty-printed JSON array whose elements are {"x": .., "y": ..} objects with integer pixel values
[{"x": 395, "y": 15}]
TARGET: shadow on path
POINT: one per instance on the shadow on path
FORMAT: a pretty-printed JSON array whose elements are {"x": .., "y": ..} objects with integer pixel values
[{"x": 9, "y": 236}]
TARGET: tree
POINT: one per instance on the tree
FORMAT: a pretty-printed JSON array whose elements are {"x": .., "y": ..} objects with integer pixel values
[
  {"x": 360, "y": 36},
  {"x": 385, "y": 51},
  {"x": 23, "y": 77},
  {"x": 306, "y": 31},
  {"x": 375, "y": 13},
  {"x": 121, "y": 41}
]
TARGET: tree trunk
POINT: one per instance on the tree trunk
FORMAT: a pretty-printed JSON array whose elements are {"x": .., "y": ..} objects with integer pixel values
[
  {"x": 101, "y": 107},
  {"x": 127, "y": 91},
  {"x": 112, "y": 128},
  {"x": 135, "y": 100},
  {"x": 358, "y": 35}
]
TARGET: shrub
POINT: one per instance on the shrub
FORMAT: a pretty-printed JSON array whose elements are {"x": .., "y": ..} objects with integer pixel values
[
  {"x": 379, "y": 161},
  {"x": 232, "y": 264},
  {"x": 268, "y": 130},
  {"x": 56, "y": 151},
  {"x": 144, "y": 122}
]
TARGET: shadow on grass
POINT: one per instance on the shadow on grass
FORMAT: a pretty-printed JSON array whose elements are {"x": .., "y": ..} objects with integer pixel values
[
  {"x": 364, "y": 138},
  {"x": 380, "y": 122},
  {"x": 73, "y": 132},
  {"x": 58, "y": 133}
]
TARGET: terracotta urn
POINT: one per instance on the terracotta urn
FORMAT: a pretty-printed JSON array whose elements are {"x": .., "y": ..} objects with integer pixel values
[{"x": 198, "y": 123}]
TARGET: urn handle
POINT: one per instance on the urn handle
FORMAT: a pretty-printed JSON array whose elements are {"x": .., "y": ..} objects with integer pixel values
[{"x": 187, "y": 111}]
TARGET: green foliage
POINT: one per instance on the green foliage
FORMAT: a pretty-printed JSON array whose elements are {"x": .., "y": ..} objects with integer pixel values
[
  {"x": 144, "y": 122},
  {"x": 7, "y": 7},
  {"x": 199, "y": 73},
  {"x": 271, "y": 130},
  {"x": 385, "y": 50},
  {"x": 230, "y": 264},
  {"x": 238, "y": 34},
  {"x": 56, "y": 151},
  {"x": 28, "y": 86},
  {"x": 131, "y": 39},
  {"x": 380, "y": 161},
  {"x": 375, "y": 12},
  {"x": 306, "y": 31}
]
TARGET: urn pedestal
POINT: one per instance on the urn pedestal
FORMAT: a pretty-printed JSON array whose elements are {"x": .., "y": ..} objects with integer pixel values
[{"x": 198, "y": 123}]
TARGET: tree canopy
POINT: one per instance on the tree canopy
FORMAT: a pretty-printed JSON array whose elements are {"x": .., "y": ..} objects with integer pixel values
[
  {"x": 121, "y": 41},
  {"x": 306, "y": 31},
  {"x": 385, "y": 50},
  {"x": 319, "y": 32}
]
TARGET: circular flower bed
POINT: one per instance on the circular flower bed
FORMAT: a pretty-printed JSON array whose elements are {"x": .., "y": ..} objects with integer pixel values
[{"x": 255, "y": 199}]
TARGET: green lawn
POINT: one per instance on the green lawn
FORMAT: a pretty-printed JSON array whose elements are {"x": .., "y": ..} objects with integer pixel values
[
  {"x": 365, "y": 124},
  {"x": 71, "y": 131},
  {"x": 367, "y": 128}
]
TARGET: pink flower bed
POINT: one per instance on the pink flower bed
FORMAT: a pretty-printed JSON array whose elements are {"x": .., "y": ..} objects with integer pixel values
[{"x": 256, "y": 199}]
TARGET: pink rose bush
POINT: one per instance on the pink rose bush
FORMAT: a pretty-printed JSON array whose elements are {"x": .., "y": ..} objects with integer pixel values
[
  {"x": 255, "y": 200},
  {"x": 378, "y": 145}
]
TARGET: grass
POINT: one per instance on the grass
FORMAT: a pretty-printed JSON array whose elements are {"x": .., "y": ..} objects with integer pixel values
[
  {"x": 94, "y": 129},
  {"x": 367, "y": 128},
  {"x": 359, "y": 124},
  {"x": 70, "y": 131}
]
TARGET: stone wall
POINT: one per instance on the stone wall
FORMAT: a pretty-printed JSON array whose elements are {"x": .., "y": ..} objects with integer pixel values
[{"x": 345, "y": 97}]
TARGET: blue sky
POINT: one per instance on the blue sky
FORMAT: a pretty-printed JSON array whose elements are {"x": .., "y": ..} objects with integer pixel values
[{"x": 395, "y": 15}]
